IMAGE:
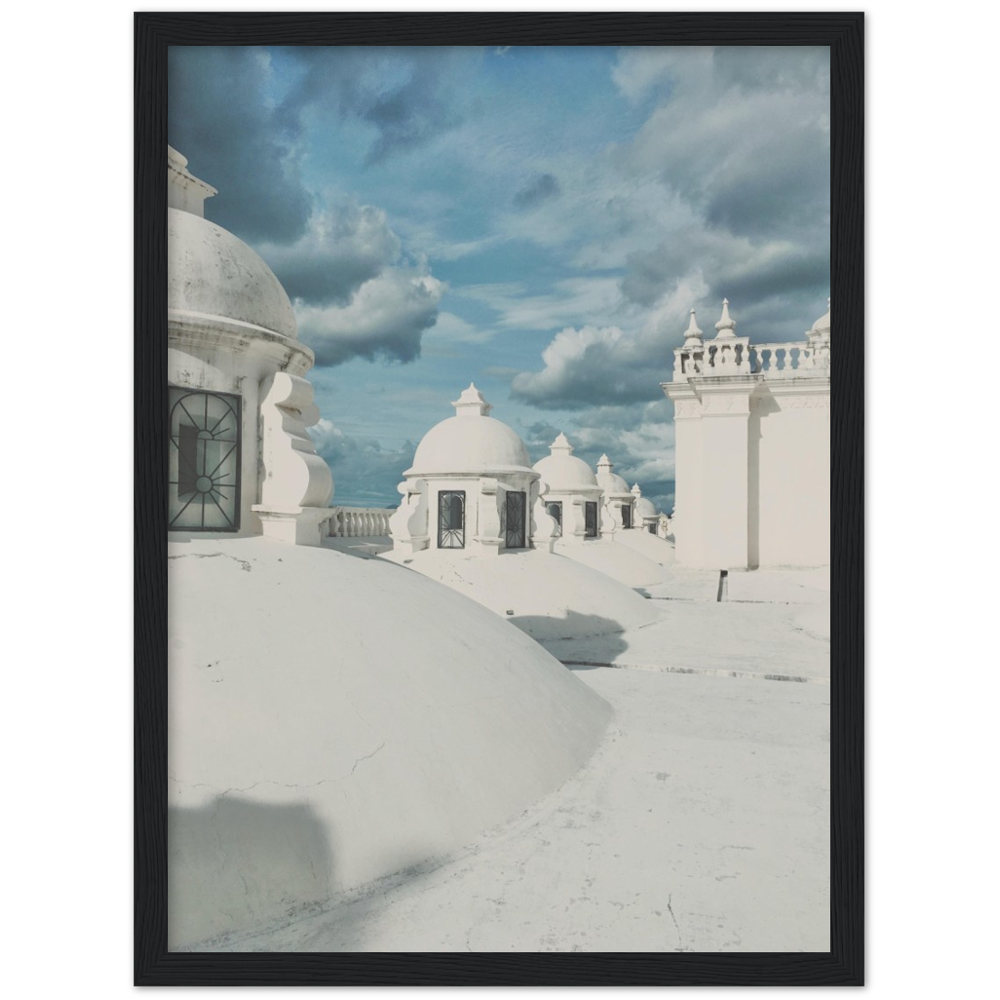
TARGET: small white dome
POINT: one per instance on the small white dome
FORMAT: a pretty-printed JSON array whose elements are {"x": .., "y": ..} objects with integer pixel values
[
  {"x": 470, "y": 442},
  {"x": 212, "y": 274},
  {"x": 822, "y": 325},
  {"x": 611, "y": 484},
  {"x": 562, "y": 471},
  {"x": 642, "y": 507},
  {"x": 645, "y": 508}
]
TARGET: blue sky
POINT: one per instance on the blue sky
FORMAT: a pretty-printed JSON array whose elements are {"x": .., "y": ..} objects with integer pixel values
[{"x": 537, "y": 220}]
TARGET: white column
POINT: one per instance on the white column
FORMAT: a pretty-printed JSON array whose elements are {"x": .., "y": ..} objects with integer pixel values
[
  {"x": 688, "y": 502},
  {"x": 724, "y": 422}
]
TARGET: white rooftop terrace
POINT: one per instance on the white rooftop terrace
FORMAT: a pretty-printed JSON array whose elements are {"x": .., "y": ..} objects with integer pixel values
[{"x": 700, "y": 824}]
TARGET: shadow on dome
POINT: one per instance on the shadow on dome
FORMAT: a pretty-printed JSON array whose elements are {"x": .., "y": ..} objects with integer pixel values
[
  {"x": 573, "y": 625},
  {"x": 233, "y": 862}
]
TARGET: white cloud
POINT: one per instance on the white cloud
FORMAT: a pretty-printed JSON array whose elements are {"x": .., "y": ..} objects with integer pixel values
[
  {"x": 385, "y": 318},
  {"x": 453, "y": 329},
  {"x": 639, "y": 69}
]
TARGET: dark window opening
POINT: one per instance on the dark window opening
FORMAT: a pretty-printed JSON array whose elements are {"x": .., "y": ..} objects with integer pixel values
[
  {"x": 204, "y": 456},
  {"x": 554, "y": 510},
  {"x": 590, "y": 519},
  {"x": 451, "y": 519},
  {"x": 515, "y": 521},
  {"x": 626, "y": 515},
  {"x": 652, "y": 527}
]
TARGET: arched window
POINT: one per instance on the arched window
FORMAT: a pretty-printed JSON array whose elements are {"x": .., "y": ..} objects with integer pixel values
[
  {"x": 204, "y": 456},
  {"x": 554, "y": 510},
  {"x": 451, "y": 519},
  {"x": 590, "y": 519}
]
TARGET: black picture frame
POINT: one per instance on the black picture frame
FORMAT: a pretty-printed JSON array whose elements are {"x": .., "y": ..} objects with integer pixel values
[{"x": 843, "y": 965}]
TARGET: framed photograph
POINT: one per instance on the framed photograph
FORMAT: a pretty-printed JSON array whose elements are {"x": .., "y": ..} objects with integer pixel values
[{"x": 499, "y": 499}]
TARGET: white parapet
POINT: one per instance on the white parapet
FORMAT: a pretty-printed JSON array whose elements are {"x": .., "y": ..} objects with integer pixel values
[{"x": 359, "y": 522}]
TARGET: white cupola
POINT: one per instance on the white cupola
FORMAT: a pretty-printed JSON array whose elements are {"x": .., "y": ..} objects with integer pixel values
[
  {"x": 616, "y": 495},
  {"x": 644, "y": 512},
  {"x": 820, "y": 331},
  {"x": 241, "y": 462},
  {"x": 471, "y": 487},
  {"x": 573, "y": 498}
]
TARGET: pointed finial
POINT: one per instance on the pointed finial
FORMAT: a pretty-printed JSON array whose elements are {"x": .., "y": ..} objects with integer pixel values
[
  {"x": 561, "y": 444},
  {"x": 726, "y": 327},
  {"x": 636, "y": 492},
  {"x": 604, "y": 461},
  {"x": 692, "y": 334},
  {"x": 472, "y": 403}
]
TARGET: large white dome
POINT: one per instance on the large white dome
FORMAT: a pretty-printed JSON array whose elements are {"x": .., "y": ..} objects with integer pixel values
[
  {"x": 564, "y": 473},
  {"x": 213, "y": 275},
  {"x": 333, "y": 720},
  {"x": 470, "y": 442}
]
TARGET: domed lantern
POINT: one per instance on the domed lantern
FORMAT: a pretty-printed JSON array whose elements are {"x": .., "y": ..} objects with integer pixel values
[
  {"x": 819, "y": 333},
  {"x": 471, "y": 488},
  {"x": 573, "y": 498},
  {"x": 645, "y": 514},
  {"x": 616, "y": 495},
  {"x": 240, "y": 460}
]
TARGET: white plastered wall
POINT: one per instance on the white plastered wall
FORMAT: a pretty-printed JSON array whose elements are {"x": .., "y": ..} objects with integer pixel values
[{"x": 792, "y": 427}]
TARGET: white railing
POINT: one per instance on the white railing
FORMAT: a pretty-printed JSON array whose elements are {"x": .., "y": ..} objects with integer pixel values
[
  {"x": 739, "y": 357},
  {"x": 725, "y": 357},
  {"x": 358, "y": 522},
  {"x": 795, "y": 360}
]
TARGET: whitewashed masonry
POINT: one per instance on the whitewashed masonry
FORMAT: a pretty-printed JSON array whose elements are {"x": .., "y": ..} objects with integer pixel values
[{"x": 752, "y": 426}]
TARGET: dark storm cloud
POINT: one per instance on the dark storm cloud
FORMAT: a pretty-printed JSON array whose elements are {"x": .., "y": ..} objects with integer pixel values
[
  {"x": 409, "y": 99},
  {"x": 544, "y": 187},
  {"x": 735, "y": 268},
  {"x": 779, "y": 187},
  {"x": 343, "y": 249},
  {"x": 737, "y": 140},
  {"x": 217, "y": 117},
  {"x": 772, "y": 69}
]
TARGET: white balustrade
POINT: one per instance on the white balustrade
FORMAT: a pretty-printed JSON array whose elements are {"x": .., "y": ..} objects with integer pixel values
[
  {"x": 726, "y": 357},
  {"x": 794, "y": 360},
  {"x": 737, "y": 356},
  {"x": 359, "y": 522}
]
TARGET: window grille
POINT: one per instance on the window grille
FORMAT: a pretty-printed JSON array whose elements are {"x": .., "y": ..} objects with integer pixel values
[
  {"x": 515, "y": 526},
  {"x": 451, "y": 519},
  {"x": 590, "y": 519},
  {"x": 204, "y": 457}
]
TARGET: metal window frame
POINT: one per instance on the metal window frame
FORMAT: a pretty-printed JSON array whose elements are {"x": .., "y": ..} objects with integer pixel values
[
  {"x": 465, "y": 520},
  {"x": 234, "y": 401},
  {"x": 523, "y": 494}
]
